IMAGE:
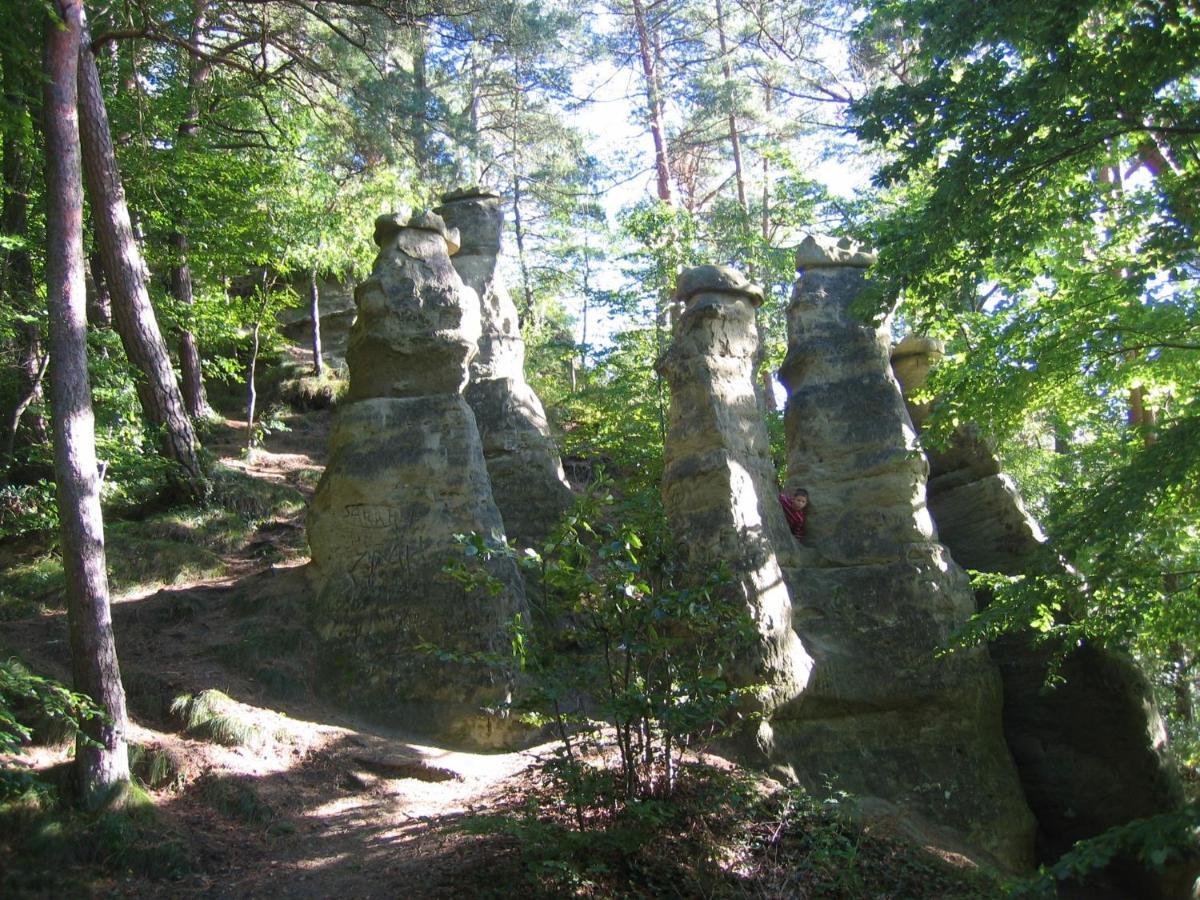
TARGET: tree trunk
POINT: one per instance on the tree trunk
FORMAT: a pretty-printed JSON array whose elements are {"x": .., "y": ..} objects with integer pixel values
[
  {"x": 191, "y": 375},
  {"x": 735, "y": 140},
  {"x": 420, "y": 119},
  {"x": 103, "y": 762},
  {"x": 125, "y": 274},
  {"x": 519, "y": 235},
  {"x": 99, "y": 310},
  {"x": 766, "y": 170},
  {"x": 32, "y": 392},
  {"x": 16, "y": 266},
  {"x": 314, "y": 311},
  {"x": 658, "y": 132}
]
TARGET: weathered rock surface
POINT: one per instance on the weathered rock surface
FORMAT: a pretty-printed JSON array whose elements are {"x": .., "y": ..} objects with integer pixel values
[
  {"x": 524, "y": 467},
  {"x": 405, "y": 474},
  {"x": 719, "y": 486},
  {"x": 1090, "y": 748},
  {"x": 876, "y": 597}
]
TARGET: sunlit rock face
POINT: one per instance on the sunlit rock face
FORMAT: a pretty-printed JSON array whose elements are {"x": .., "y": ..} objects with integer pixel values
[
  {"x": 405, "y": 474},
  {"x": 1089, "y": 745},
  {"x": 915, "y": 736},
  {"x": 719, "y": 486},
  {"x": 526, "y": 474}
]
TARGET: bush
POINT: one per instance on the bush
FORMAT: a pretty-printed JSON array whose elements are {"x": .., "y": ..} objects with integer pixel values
[{"x": 625, "y": 656}]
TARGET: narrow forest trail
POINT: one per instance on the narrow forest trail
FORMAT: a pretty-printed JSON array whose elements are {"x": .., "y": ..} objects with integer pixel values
[{"x": 303, "y": 800}]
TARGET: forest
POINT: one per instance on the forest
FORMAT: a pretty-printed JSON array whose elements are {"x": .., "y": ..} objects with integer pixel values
[{"x": 193, "y": 189}]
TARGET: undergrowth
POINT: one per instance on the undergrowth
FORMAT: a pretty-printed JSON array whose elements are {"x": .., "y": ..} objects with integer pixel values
[
  {"x": 169, "y": 547},
  {"x": 723, "y": 834},
  {"x": 213, "y": 716}
]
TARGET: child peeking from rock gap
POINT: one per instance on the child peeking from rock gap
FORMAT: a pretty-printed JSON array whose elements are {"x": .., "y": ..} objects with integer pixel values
[{"x": 795, "y": 507}]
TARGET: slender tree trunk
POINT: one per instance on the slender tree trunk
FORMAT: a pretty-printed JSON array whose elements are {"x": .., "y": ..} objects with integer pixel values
[
  {"x": 735, "y": 140},
  {"x": 103, "y": 762},
  {"x": 99, "y": 310},
  {"x": 420, "y": 119},
  {"x": 314, "y": 311},
  {"x": 766, "y": 170},
  {"x": 191, "y": 374},
  {"x": 125, "y": 275},
  {"x": 16, "y": 266},
  {"x": 658, "y": 132},
  {"x": 252, "y": 368},
  {"x": 519, "y": 235}
]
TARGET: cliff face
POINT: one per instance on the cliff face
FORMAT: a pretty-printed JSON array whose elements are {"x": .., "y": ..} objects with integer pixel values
[
  {"x": 912, "y": 733},
  {"x": 525, "y": 471},
  {"x": 1090, "y": 746},
  {"x": 405, "y": 474}
]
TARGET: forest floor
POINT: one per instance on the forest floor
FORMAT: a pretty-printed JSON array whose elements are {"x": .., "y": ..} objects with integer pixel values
[
  {"x": 306, "y": 802},
  {"x": 260, "y": 787}
]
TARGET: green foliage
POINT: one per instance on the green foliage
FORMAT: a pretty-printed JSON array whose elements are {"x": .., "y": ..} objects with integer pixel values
[
  {"x": 1156, "y": 842},
  {"x": 627, "y": 655},
  {"x": 1041, "y": 163},
  {"x": 29, "y": 702},
  {"x": 55, "y": 850},
  {"x": 154, "y": 767}
]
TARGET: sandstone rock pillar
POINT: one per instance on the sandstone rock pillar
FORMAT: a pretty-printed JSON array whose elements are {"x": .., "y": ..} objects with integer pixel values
[
  {"x": 914, "y": 735},
  {"x": 719, "y": 486},
  {"x": 1090, "y": 747},
  {"x": 405, "y": 474},
  {"x": 522, "y": 462}
]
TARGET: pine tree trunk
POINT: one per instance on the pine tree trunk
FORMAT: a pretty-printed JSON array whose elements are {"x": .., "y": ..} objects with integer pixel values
[
  {"x": 191, "y": 375},
  {"x": 102, "y": 763},
  {"x": 658, "y": 131},
  {"x": 735, "y": 140},
  {"x": 162, "y": 402},
  {"x": 314, "y": 311},
  {"x": 99, "y": 310}
]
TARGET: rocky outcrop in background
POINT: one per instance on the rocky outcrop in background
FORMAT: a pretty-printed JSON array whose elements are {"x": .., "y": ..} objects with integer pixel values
[
  {"x": 914, "y": 735},
  {"x": 1090, "y": 746},
  {"x": 719, "y": 486},
  {"x": 522, "y": 462},
  {"x": 405, "y": 474}
]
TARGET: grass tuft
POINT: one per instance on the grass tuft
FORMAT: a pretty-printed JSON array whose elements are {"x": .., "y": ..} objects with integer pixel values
[{"x": 212, "y": 715}]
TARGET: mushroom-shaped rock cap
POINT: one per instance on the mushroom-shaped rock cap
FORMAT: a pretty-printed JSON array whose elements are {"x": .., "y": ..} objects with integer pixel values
[
  {"x": 918, "y": 345},
  {"x": 389, "y": 224},
  {"x": 469, "y": 192},
  {"x": 721, "y": 279},
  {"x": 823, "y": 252}
]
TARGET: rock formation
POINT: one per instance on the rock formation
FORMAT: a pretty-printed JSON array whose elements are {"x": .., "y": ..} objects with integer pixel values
[
  {"x": 522, "y": 462},
  {"x": 405, "y": 474},
  {"x": 1090, "y": 748},
  {"x": 912, "y": 734},
  {"x": 718, "y": 481}
]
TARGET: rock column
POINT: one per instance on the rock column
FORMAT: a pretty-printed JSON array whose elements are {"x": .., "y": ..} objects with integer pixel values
[
  {"x": 1090, "y": 747},
  {"x": 719, "y": 486},
  {"x": 522, "y": 462},
  {"x": 405, "y": 474},
  {"x": 914, "y": 735}
]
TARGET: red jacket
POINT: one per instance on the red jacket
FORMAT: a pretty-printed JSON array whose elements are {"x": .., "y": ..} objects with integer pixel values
[{"x": 796, "y": 515}]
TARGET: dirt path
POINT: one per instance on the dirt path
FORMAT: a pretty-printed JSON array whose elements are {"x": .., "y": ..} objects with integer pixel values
[{"x": 313, "y": 803}]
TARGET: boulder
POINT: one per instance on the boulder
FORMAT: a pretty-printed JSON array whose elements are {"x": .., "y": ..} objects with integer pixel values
[
  {"x": 405, "y": 475},
  {"x": 522, "y": 462},
  {"x": 1089, "y": 745},
  {"x": 907, "y": 729}
]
